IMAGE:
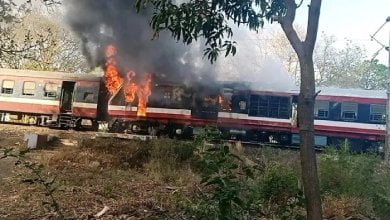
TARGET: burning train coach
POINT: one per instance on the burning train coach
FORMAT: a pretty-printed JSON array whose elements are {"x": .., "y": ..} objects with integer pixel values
[{"x": 154, "y": 106}]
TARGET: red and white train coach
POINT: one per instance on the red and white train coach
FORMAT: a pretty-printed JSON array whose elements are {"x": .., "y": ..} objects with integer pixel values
[
  {"x": 240, "y": 111},
  {"x": 262, "y": 115},
  {"x": 48, "y": 98}
]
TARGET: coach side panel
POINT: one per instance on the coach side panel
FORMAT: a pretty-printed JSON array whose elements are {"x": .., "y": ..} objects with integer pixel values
[
  {"x": 29, "y": 95},
  {"x": 85, "y": 101}
]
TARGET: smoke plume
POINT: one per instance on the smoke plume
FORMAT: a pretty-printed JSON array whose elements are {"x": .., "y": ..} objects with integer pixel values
[{"x": 100, "y": 22}]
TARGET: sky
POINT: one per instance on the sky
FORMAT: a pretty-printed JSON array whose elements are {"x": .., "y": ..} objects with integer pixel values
[{"x": 354, "y": 20}]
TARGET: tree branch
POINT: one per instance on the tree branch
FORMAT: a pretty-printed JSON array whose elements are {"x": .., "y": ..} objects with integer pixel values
[
  {"x": 286, "y": 22},
  {"x": 312, "y": 25}
]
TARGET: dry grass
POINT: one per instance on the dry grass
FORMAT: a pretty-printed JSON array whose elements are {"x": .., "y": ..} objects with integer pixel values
[
  {"x": 135, "y": 179},
  {"x": 340, "y": 208},
  {"x": 138, "y": 179}
]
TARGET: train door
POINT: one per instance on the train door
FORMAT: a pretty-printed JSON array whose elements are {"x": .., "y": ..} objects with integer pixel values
[{"x": 67, "y": 92}]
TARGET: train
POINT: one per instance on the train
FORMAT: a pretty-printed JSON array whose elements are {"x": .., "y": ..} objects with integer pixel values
[{"x": 239, "y": 110}]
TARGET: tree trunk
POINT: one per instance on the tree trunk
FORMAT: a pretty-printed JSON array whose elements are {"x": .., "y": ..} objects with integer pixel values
[{"x": 306, "y": 102}]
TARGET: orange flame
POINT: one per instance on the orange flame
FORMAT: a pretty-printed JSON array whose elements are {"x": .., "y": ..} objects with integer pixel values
[
  {"x": 224, "y": 104},
  {"x": 220, "y": 100},
  {"x": 113, "y": 80},
  {"x": 131, "y": 88},
  {"x": 143, "y": 93}
]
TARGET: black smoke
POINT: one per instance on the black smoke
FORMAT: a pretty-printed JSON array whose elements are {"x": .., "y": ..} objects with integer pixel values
[{"x": 101, "y": 22}]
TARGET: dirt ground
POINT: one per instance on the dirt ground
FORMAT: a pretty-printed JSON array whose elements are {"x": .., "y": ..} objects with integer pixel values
[{"x": 87, "y": 181}]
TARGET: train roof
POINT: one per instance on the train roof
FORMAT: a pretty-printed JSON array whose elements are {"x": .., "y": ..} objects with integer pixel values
[
  {"x": 360, "y": 93},
  {"x": 325, "y": 91},
  {"x": 50, "y": 74}
]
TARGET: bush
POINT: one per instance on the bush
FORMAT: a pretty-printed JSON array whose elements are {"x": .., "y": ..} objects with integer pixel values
[
  {"x": 343, "y": 207},
  {"x": 343, "y": 173},
  {"x": 170, "y": 160},
  {"x": 279, "y": 185},
  {"x": 163, "y": 159},
  {"x": 359, "y": 176},
  {"x": 278, "y": 194}
]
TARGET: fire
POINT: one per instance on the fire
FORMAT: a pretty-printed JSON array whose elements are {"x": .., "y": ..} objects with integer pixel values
[
  {"x": 113, "y": 83},
  {"x": 112, "y": 78},
  {"x": 224, "y": 103},
  {"x": 130, "y": 88},
  {"x": 220, "y": 100},
  {"x": 143, "y": 93}
]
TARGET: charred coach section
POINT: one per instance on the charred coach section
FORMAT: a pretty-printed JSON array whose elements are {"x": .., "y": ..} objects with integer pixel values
[{"x": 178, "y": 110}]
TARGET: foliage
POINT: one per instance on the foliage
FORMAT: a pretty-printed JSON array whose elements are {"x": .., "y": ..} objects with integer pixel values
[
  {"x": 209, "y": 19},
  {"x": 164, "y": 159},
  {"x": 344, "y": 174},
  {"x": 225, "y": 172},
  {"x": 39, "y": 177},
  {"x": 30, "y": 40},
  {"x": 39, "y": 42},
  {"x": 346, "y": 207},
  {"x": 279, "y": 193},
  {"x": 373, "y": 75},
  {"x": 279, "y": 185},
  {"x": 170, "y": 160},
  {"x": 347, "y": 67}
]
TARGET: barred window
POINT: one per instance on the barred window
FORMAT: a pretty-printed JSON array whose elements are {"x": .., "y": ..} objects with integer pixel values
[
  {"x": 29, "y": 88},
  {"x": 349, "y": 111},
  {"x": 51, "y": 90},
  {"x": 321, "y": 109},
  {"x": 269, "y": 106},
  {"x": 7, "y": 87},
  {"x": 377, "y": 113}
]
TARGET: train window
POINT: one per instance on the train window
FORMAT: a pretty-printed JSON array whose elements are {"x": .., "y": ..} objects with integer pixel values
[
  {"x": 29, "y": 88},
  {"x": 349, "y": 111},
  {"x": 269, "y": 106},
  {"x": 167, "y": 95},
  {"x": 88, "y": 96},
  {"x": 7, "y": 87},
  {"x": 51, "y": 90},
  {"x": 321, "y": 109},
  {"x": 377, "y": 113},
  {"x": 167, "y": 98}
]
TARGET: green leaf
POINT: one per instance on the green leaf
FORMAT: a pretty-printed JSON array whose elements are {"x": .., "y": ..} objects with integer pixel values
[
  {"x": 248, "y": 172},
  {"x": 228, "y": 49},
  {"x": 234, "y": 50}
]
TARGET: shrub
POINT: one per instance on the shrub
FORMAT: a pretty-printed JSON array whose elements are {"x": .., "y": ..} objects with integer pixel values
[
  {"x": 343, "y": 207},
  {"x": 358, "y": 176},
  {"x": 279, "y": 194},
  {"x": 170, "y": 160},
  {"x": 344, "y": 173}
]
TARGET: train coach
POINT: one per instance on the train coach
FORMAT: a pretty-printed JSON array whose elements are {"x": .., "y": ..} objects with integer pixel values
[
  {"x": 262, "y": 115},
  {"x": 240, "y": 110},
  {"x": 48, "y": 98}
]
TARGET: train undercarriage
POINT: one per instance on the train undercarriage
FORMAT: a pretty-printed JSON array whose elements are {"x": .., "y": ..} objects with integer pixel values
[{"x": 249, "y": 136}]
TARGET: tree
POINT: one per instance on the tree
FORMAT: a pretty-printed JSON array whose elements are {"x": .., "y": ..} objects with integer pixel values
[
  {"x": 11, "y": 13},
  {"x": 337, "y": 67},
  {"x": 373, "y": 75},
  {"x": 347, "y": 67},
  {"x": 57, "y": 49},
  {"x": 277, "y": 46},
  {"x": 193, "y": 19}
]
